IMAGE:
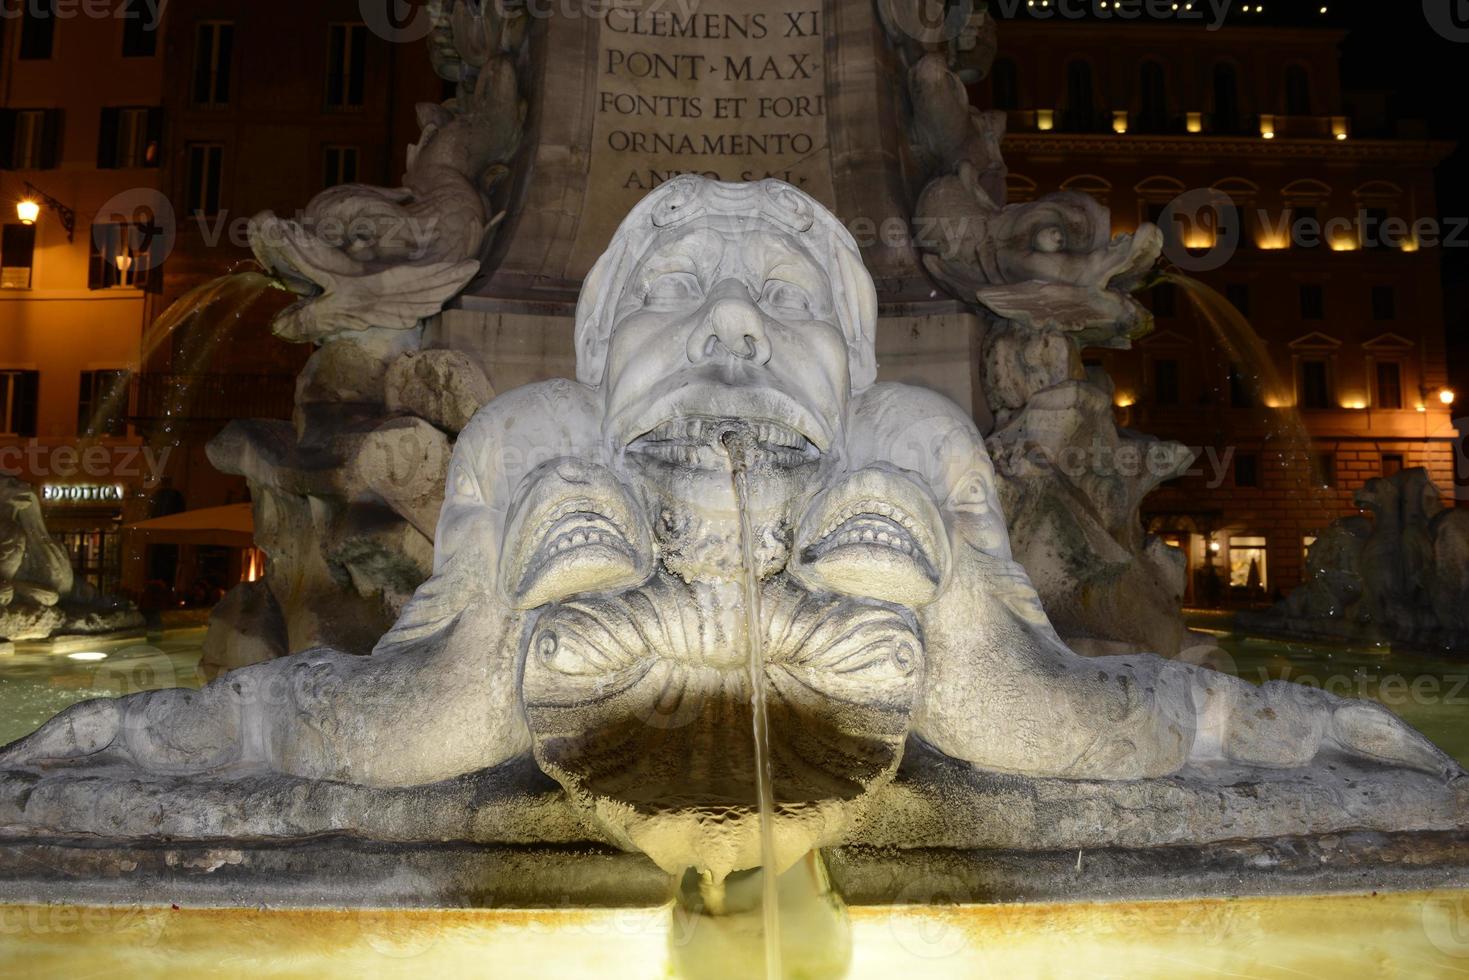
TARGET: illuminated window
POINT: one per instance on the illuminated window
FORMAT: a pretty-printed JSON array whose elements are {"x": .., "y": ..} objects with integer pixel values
[
  {"x": 1389, "y": 384},
  {"x": 17, "y": 256},
  {"x": 1247, "y": 563}
]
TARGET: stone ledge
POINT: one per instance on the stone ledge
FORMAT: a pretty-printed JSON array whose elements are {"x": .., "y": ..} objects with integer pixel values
[
  {"x": 934, "y": 802},
  {"x": 344, "y": 872}
]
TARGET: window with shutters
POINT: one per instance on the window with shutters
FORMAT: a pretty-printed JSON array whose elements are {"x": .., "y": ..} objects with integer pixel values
[
  {"x": 1241, "y": 388},
  {"x": 1247, "y": 470},
  {"x": 1165, "y": 382},
  {"x": 131, "y": 137},
  {"x": 1389, "y": 384},
  {"x": 339, "y": 165},
  {"x": 206, "y": 164},
  {"x": 17, "y": 256},
  {"x": 1384, "y": 303},
  {"x": 346, "y": 65},
  {"x": 140, "y": 29},
  {"x": 214, "y": 49},
  {"x": 1238, "y": 294},
  {"x": 102, "y": 403},
  {"x": 29, "y": 138},
  {"x": 37, "y": 30},
  {"x": 1004, "y": 84},
  {"x": 19, "y": 396},
  {"x": 1315, "y": 385},
  {"x": 1313, "y": 302},
  {"x": 121, "y": 255}
]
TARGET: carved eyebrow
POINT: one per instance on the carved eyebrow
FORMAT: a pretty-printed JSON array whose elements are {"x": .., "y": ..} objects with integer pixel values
[{"x": 675, "y": 257}]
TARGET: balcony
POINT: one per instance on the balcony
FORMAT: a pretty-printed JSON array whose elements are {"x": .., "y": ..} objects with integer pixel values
[{"x": 206, "y": 398}]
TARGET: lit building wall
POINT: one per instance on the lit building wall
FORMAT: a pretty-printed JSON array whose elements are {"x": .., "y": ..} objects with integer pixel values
[{"x": 1367, "y": 322}]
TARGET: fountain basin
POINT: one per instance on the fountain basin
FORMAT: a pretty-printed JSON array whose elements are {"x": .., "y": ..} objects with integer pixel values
[{"x": 1412, "y": 933}]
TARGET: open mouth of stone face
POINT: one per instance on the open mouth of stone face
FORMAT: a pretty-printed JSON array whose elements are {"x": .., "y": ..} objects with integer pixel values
[
  {"x": 873, "y": 524},
  {"x": 574, "y": 530},
  {"x": 693, "y": 442}
]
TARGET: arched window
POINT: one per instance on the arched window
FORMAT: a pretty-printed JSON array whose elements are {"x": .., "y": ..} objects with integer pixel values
[
  {"x": 1297, "y": 91},
  {"x": 1081, "y": 116},
  {"x": 1004, "y": 85},
  {"x": 1226, "y": 99},
  {"x": 1152, "y": 114}
]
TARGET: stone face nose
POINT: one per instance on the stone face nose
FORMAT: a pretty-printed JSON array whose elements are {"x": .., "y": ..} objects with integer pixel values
[{"x": 732, "y": 327}]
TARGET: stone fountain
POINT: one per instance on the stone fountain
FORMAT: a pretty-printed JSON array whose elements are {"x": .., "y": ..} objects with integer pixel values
[
  {"x": 563, "y": 710},
  {"x": 40, "y": 595},
  {"x": 1400, "y": 577}
]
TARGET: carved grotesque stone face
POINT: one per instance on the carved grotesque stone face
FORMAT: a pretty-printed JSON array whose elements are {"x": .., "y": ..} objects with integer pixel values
[{"x": 639, "y": 699}]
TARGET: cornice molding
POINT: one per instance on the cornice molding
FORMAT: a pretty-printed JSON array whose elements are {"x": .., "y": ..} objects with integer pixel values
[{"x": 1426, "y": 152}]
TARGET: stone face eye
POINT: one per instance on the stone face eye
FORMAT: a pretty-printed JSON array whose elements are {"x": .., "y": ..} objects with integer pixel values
[
  {"x": 464, "y": 484},
  {"x": 673, "y": 289},
  {"x": 781, "y": 295},
  {"x": 1049, "y": 239}
]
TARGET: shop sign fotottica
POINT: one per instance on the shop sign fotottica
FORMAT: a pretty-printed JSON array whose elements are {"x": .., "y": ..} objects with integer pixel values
[{"x": 82, "y": 493}]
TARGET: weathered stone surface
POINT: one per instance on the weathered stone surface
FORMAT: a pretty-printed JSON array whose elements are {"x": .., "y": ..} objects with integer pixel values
[
  {"x": 39, "y": 594},
  {"x": 1402, "y": 576},
  {"x": 245, "y": 628},
  {"x": 442, "y": 386}
]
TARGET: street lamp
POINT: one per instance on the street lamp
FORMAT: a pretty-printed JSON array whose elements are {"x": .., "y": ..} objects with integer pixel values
[
  {"x": 1446, "y": 395},
  {"x": 29, "y": 210}
]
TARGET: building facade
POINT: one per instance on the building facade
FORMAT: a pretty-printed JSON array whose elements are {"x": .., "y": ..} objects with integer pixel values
[
  {"x": 143, "y": 186},
  {"x": 75, "y": 286},
  {"x": 1304, "y": 213}
]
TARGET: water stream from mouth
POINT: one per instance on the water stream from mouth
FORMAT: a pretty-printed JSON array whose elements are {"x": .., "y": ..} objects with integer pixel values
[{"x": 740, "y": 445}]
